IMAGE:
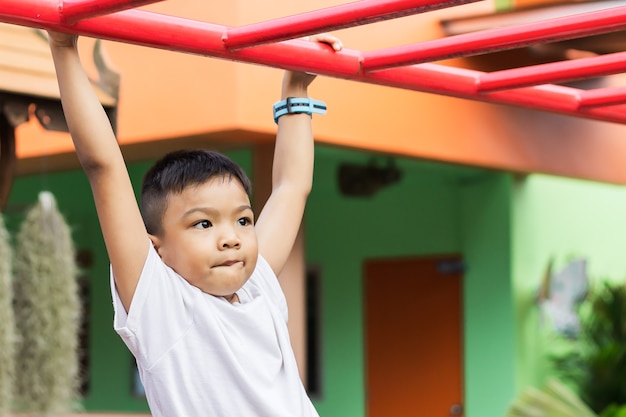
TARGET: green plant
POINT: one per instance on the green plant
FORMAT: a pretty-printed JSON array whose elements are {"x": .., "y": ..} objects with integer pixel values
[
  {"x": 614, "y": 411},
  {"x": 47, "y": 309},
  {"x": 596, "y": 361},
  {"x": 555, "y": 399}
]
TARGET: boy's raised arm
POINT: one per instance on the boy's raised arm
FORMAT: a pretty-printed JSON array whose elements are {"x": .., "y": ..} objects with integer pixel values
[
  {"x": 292, "y": 172},
  {"x": 124, "y": 233}
]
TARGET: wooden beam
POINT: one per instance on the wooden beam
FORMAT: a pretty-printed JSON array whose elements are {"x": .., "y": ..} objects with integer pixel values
[{"x": 7, "y": 159}]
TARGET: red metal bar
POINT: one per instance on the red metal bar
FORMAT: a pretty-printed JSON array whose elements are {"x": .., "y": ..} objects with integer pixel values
[
  {"x": 555, "y": 72},
  {"x": 74, "y": 10},
  {"x": 339, "y": 17},
  {"x": 183, "y": 35},
  {"x": 37, "y": 14},
  {"x": 458, "y": 82},
  {"x": 551, "y": 30},
  {"x": 190, "y": 36},
  {"x": 603, "y": 97}
]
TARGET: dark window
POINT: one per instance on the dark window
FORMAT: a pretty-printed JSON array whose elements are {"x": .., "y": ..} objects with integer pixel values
[
  {"x": 84, "y": 260},
  {"x": 313, "y": 332}
]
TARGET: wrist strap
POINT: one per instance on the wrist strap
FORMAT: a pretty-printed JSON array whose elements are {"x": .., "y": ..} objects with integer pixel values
[{"x": 298, "y": 105}]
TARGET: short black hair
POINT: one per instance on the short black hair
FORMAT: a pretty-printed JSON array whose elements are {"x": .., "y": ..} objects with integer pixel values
[{"x": 178, "y": 170}]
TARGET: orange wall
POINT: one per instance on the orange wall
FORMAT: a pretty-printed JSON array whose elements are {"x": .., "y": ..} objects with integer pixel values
[{"x": 178, "y": 100}]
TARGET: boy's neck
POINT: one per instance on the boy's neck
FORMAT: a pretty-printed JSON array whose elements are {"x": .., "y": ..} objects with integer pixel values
[{"x": 233, "y": 298}]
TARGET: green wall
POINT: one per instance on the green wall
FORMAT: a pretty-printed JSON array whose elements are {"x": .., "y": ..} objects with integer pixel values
[
  {"x": 503, "y": 5},
  {"x": 434, "y": 209},
  {"x": 417, "y": 216},
  {"x": 489, "y": 319},
  {"x": 560, "y": 218}
]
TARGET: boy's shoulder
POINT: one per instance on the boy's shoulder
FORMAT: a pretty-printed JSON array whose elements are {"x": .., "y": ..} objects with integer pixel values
[
  {"x": 264, "y": 281},
  {"x": 262, "y": 276}
]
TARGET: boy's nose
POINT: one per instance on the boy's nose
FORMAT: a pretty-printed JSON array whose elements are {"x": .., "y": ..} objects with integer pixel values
[{"x": 230, "y": 239}]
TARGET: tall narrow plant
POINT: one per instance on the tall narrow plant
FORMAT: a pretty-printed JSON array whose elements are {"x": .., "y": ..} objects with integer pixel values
[
  {"x": 47, "y": 309},
  {"x": 7, "y": 322}
]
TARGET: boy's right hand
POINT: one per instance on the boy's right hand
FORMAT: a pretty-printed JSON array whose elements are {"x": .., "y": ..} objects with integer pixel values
[{"x": 61, "y": 39}]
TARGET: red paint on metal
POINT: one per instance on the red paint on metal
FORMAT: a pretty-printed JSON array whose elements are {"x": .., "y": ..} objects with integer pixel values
[
  {"x": 555, "y": 72},
  {"x": 190, "y": 36},
  {"x": 603, "y": 97},
  {"x": 339, "y": 17},
  {"x": 74, "y": 10},
  {"x": 493, "y": 40},
  {"x": 457, "y": 82}
]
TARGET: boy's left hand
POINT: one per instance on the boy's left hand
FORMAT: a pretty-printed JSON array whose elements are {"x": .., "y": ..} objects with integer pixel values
[
  {"x": 328, "y": 39},
  {"x": 303, "y": 79}
]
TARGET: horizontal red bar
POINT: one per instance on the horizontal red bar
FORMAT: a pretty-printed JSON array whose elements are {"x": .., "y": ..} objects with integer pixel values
[
  {"x": 493, "y": 40},
  {"x": 554, "y": 72},
  {"x": 178, "y": 34},
  {"x": 603, "y": 97},
  {"x": 332, "y": 18},
  {"x": 459, "y": 82},
  {"x": 75, "y": 10},
  {"x": 37, "y": 14}
]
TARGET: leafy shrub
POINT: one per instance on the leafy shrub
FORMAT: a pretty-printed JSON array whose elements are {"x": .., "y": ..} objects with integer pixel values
[{"x": 596, "y": 362}]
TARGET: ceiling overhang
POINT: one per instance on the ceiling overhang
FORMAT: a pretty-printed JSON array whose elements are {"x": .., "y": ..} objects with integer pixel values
[
  {"x": 28, "y": 89},
  {"x": 27, "y": 78}
]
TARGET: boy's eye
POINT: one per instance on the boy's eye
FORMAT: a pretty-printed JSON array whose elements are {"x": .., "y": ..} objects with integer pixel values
[
  {"x": 203, "y": 224},
  {"x": 245, "y": 221}
]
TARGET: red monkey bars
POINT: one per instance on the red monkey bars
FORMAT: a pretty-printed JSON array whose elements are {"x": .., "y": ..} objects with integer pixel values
[{"x": 409, "y": 67}]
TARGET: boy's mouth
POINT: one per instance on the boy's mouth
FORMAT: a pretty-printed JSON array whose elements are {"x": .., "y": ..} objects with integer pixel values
[{"x": 230, "y": 263}]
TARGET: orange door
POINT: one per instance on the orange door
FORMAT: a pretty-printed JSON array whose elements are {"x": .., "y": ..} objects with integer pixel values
[{"x": 413, "y": 337}]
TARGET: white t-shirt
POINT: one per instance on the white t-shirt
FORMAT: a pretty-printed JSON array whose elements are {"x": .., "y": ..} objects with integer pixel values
[{"x": 200, "y": 356}]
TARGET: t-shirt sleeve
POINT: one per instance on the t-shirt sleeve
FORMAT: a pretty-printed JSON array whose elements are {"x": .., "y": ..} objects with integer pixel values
[
  {"x": 160, "y": 313},
  {"x": 267, "y": 281}
]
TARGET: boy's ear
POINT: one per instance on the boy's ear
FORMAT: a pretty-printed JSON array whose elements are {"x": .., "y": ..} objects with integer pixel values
[{"x": 156, "y": 242}]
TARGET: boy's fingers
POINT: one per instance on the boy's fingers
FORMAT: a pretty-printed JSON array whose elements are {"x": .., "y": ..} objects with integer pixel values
[{"x": 326, "y": 38}]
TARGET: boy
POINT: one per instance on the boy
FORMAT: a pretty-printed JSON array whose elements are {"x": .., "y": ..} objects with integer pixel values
[{"x": 194, "y": 282}]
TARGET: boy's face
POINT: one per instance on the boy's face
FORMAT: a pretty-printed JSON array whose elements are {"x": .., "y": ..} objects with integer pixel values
[{"x": 209, "y": 236}]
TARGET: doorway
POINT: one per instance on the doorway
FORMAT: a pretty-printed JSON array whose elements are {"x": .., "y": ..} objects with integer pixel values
[{"x": 413, "y": 334}]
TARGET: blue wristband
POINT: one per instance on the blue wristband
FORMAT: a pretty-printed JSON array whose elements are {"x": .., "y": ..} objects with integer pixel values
[{"x": 298, "y": 105}]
